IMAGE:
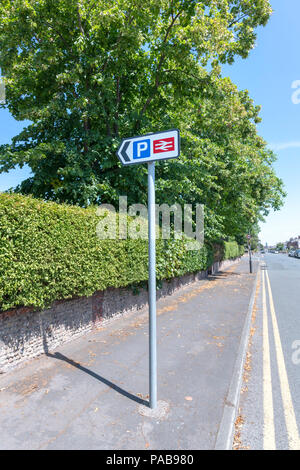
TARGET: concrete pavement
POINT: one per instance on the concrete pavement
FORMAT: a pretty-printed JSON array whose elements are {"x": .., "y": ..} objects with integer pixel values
[{"x": 92, "y": 393}]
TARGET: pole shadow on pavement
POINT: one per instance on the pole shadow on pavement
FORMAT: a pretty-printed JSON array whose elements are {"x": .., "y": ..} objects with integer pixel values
[
  {"x": 107, "y": 382},
  {"x": 61, "y": 357}
]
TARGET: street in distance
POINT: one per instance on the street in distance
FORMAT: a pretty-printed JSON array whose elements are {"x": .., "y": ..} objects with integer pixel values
[{"x": 150, "y": 147}]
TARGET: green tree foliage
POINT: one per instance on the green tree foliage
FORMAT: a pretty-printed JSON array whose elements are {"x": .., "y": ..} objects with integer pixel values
[{"x": 86, "y": 73}]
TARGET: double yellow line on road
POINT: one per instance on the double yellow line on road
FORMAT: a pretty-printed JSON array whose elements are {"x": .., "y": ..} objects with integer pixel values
[
  {"x": 269, "y": 429},
  {"x": 289, "y": 413}
]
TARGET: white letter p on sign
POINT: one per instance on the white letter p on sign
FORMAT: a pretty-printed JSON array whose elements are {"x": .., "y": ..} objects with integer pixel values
[{"x": 141, "y": 147}]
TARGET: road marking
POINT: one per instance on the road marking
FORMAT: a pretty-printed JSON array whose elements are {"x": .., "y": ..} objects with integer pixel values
[
  {"x": 269, "y": 429},
  {"x": 289, "y": 413}
]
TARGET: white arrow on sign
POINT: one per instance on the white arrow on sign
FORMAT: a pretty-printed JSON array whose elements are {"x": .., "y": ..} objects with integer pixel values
[{"x": 150, "y": 147}]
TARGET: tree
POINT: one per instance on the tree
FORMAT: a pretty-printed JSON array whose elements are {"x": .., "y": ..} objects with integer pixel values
[{"x": 87, "y": 73}]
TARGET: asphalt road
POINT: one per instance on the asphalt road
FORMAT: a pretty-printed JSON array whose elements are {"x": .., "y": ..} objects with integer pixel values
[{"x": 270, "y": 399}]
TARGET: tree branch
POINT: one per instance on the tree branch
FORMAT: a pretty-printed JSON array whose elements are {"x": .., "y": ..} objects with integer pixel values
[
  {"x": 118, "y": 100},
  {"x": 160, "y": 63},
  {"x": 79, "y": 21},
  {"x": 237, "y": 20}
]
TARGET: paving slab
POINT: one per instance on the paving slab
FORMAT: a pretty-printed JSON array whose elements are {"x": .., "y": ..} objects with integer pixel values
[{"x": 92, "y": 393}]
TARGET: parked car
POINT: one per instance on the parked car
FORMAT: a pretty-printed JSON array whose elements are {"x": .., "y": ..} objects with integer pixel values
[
  {"x": 297, "y": 254},
  {"x": 292, "y": 253}
]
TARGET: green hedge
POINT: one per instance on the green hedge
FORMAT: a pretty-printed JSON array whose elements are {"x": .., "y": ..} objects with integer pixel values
[
  {"x": 50, "y": 251},
  {"x": 232, "y": 250}
]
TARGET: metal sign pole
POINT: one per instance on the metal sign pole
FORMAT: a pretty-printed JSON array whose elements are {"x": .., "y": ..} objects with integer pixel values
[
  {"x": 249, "y": 250},
  {"x": 250, "y": 257},
  {"x": 152, "y": 287},
  {"x": 148, "y": 149}
]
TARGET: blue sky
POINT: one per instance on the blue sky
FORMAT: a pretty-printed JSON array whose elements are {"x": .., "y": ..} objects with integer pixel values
[{"x": 268, "y": 73}]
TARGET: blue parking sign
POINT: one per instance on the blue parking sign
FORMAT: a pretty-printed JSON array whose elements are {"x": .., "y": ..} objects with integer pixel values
[
  {"x": 141, "y": 149},
  {"x": 150, "y": 147}
]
